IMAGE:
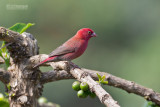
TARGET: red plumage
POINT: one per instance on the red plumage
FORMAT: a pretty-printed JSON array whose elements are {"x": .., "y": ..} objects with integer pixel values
[{"x": 72, "y": 48}]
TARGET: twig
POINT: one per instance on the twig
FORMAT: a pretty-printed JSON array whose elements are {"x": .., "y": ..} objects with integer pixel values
[
  {"x": 129, "y": 86},
  {"x": 51, "y": 76}
]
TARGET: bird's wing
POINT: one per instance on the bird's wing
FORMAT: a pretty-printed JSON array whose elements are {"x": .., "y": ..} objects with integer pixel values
[{"x": 61, "y": 51}]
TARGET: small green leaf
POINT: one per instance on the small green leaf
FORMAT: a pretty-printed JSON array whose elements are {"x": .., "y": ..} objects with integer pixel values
[
  {"x": 13, "y": 95},
  {"x": 99, "y": 77},
  {"x": 21, "y": 27},
  {"x": 1, "y": 53},
  {"x": 26, "y": 27},
  {"x": 7, "y": 62},
  {"x": 3, "y": 48},
  {"x": 4, "y": 54},
  {"x": 104, "y": 82},
  {"x": 150, "y": 104},
  {"x": 103, "y": 78}
]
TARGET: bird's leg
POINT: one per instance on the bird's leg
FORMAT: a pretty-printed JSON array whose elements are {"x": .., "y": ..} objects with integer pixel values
[{"x": 74, "y": 65}]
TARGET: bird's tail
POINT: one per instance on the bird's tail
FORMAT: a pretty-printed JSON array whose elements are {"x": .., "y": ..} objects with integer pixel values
[{"x": 46, "y": 60}]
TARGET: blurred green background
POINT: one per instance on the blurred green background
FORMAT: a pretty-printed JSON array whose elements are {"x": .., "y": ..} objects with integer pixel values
[{"x": 127, "y": 44}]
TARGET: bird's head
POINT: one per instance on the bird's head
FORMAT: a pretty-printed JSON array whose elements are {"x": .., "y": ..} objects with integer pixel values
[{"x": 85, "y": 33}]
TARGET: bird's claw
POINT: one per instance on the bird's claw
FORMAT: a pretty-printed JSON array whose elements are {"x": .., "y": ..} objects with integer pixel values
[{"x": 74, "y": 65}]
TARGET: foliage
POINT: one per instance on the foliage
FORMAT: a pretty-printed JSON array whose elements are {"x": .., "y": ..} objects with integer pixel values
[
  {"x": 102, "y": 79},
  {"x": 21, "y": 27},
  {"x": 150, "y": 104},
  {"x": 4, "y": 54},
  {"x": 3, "y": 101}
]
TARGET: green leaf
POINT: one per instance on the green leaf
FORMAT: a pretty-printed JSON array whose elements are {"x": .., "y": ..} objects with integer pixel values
[
  {"x": 103, "y": 78},
  {"x": 99, "y": 77},
  {"x": 4, "y": 54},
  {"x": 150, "y": 104},
  {"x": 3, "y": 48},
  {"x": 21, "y": 27},
  {"x": 7, "y": 60},
  {"x": 17, "y": 27},
  {"x": 13, "y": 95},
  {"x": 104, "y": 82},
  {"x": 1, "y": 53},
  {"x": 26, "y": 27}
]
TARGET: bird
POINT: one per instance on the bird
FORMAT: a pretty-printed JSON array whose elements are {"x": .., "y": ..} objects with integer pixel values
[{"x": 72, "y": 48}]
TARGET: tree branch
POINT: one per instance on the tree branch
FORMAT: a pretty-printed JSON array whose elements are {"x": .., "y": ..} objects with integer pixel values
[
  {"x": 24, "y": 43},
  {"x": 83, "y": 76},
  {"x": 51, "y": 76},
  {"x": 4, "y": 76},
  {"x": 10, "y": 36},
  {"x": 104, "y": 96},
  {"x": 129, "y": 86},
  {"x": 73, "y": 71}
]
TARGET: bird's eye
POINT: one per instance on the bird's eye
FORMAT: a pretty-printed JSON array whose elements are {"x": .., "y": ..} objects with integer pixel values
[{"x": 89, "y": 32}]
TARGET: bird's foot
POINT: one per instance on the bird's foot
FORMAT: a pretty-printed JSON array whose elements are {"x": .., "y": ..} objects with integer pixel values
[{"x": 74, "y": 65}]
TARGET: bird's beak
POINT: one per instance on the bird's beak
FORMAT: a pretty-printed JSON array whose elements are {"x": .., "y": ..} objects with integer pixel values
[{"x": 93, "y": 35}]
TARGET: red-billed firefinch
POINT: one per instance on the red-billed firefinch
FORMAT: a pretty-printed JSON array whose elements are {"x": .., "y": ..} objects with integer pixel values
[{"x": 72, "y": 48}]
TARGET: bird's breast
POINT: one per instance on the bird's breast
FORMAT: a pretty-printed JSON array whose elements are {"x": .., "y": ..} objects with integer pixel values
[{"x": 80, "y": 47}]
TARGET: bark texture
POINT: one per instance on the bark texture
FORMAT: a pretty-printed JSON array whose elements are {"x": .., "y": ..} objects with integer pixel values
[
  {"x": 24, "y": 82},
  {"x": 4, "y": 76}
]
